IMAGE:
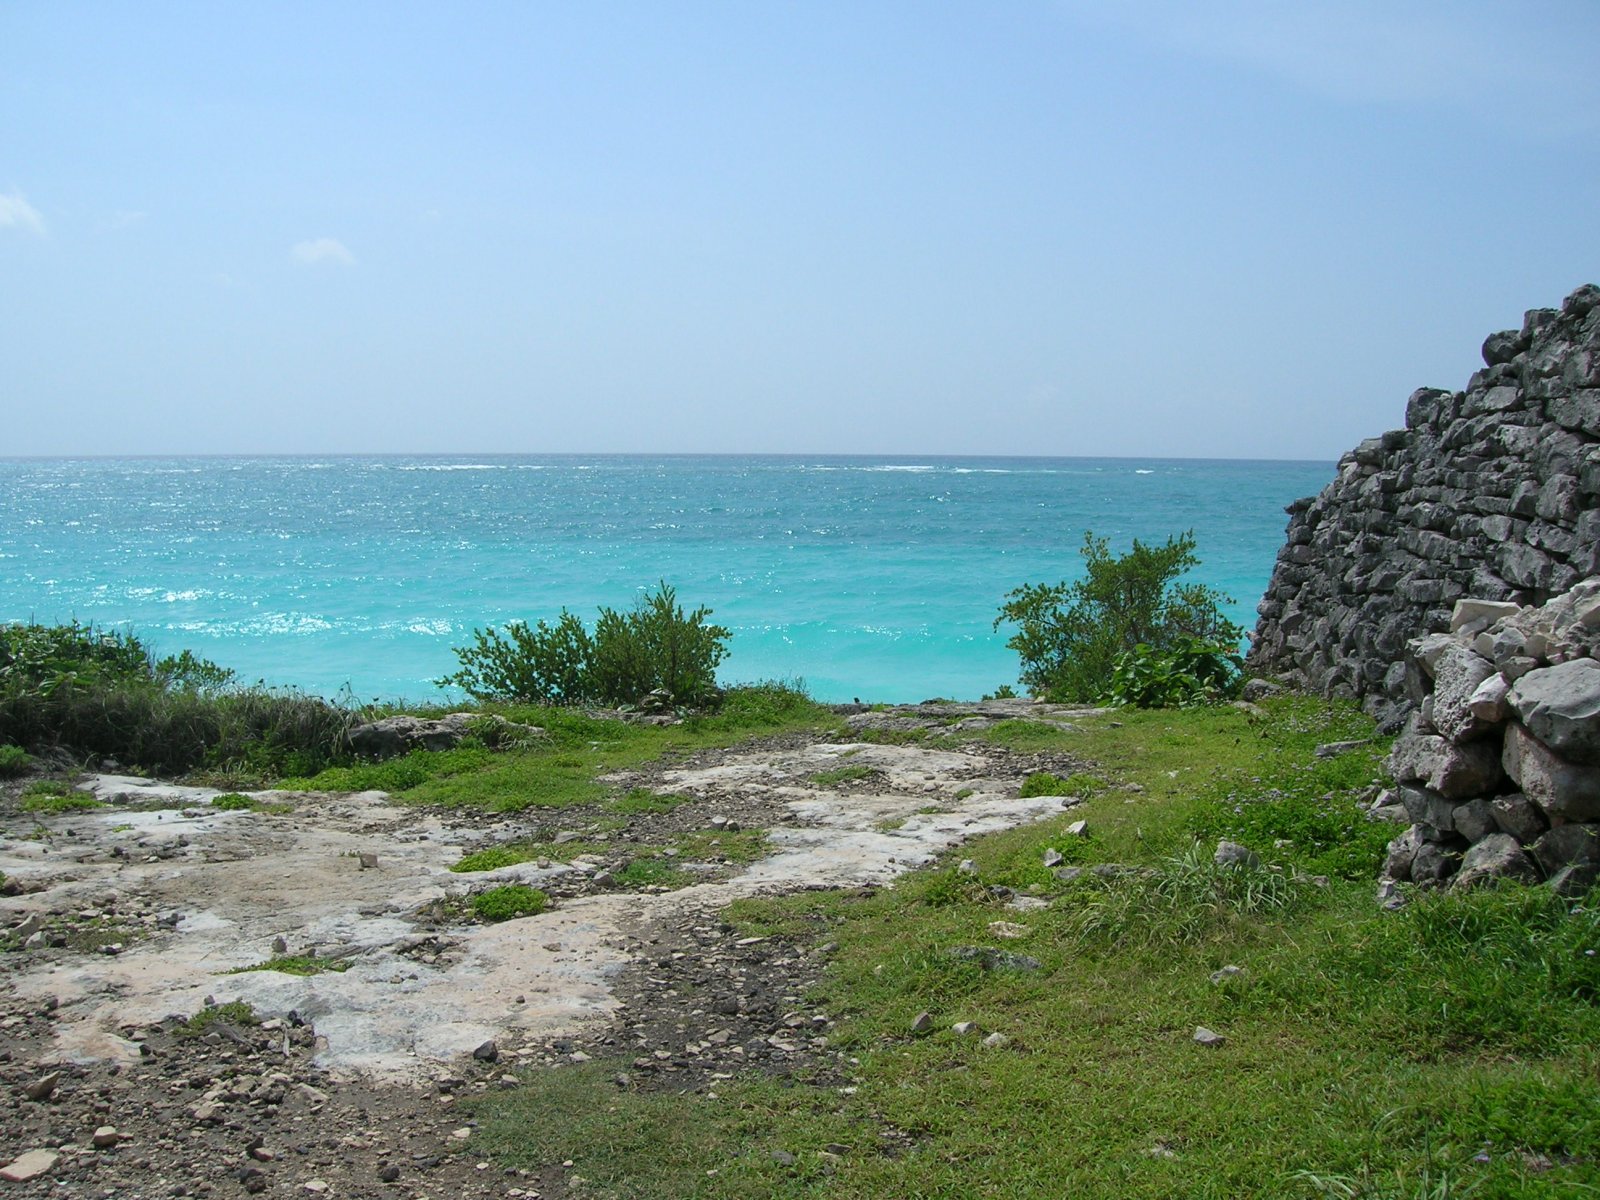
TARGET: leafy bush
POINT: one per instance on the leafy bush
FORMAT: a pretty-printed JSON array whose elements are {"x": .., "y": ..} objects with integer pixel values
[
  {"x": 629, "y": 655},
  {"x": 508, "y": 902},
  {"x": 1070, "y": 635},
  {"x": 1187, "y": 671},
  {"x": 106, "y": 693},
  {"x": 14, "y": 761}
]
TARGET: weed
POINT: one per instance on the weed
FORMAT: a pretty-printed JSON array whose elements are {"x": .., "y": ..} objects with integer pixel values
[
  {"x": 1043, "y": 783},
  {"x": 848, "y": 774},
  {"x": 235, "y": 802},
  {"x": 643, "y": 800},
  {"x": 296, "y": 964},
  {"x": 234, "y": 1012},
  {"x": 55, "y": 795},
  {"x": 14, "y": 761},
  {"x": 509, "y": 901}
]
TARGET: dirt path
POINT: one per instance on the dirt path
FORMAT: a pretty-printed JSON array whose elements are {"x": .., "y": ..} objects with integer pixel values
[{"x": 128, "y": 920}]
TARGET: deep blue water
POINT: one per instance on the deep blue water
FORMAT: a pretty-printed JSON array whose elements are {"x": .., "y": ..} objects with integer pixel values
[{"x": 876, "y": 577}]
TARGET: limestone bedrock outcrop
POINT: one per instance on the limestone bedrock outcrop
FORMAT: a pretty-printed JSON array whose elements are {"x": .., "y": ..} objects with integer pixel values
[
  {"x": 1490, "y": 493},
  {"x": 1498, "y": 767}
]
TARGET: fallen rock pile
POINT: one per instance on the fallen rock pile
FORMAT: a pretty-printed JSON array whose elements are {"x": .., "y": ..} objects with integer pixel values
[{"x": 1499, "y": 765}]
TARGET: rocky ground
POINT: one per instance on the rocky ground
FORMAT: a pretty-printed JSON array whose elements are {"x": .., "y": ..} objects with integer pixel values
[{"x": 128, "y": 1068}]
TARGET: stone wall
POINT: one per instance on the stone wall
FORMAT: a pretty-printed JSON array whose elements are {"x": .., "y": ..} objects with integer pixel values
[
  {"x": 1498, "y": 768},
  {"x": 1490, "y": 492}
]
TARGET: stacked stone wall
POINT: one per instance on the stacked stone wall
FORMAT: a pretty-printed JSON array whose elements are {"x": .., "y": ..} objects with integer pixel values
[
  {"x": 1490, "y": 492},
  {"x": 1498, "y": 768}
]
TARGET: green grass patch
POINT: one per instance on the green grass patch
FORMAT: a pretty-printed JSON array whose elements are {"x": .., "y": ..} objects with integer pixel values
[
  {"x": 563, "y": 768},
  {"x": 739, "y": 846},
  {"x": 508, "y": 902},
  {"x": 14, "y": 761},
  {"x": 296, "y": 964},
  {"x": 54, "y": 796},
  {"x": 643, "y": 800},
  {"x": 234, "y": 1012},
  {"x": 235, "y": 802},
  {"x": 847, "y": 774},
  {"x": 492, "y": 858},
  {"x": 653, "y": 872}
]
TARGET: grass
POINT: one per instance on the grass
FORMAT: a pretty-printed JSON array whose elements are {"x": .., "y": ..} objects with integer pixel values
[
  {"x": 1446, "y": 1050},
  {"x": 234, "y": 802},
  {"x": 848, "y": 774},
  {"x": 563, "y": 769},
  {"x": 234, "y": 1012},
  {"x": 510, "y": 901},
  {"x": 54, "y": 796},
  {"x": 643, "y": 800},
  {"x": 14, "y": 761},
  {"x": 296, "y": 964}
]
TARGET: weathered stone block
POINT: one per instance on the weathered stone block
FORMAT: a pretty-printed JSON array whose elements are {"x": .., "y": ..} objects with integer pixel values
[
  {"x": 1434, "y": 863},
  {"x": 1565, "y": 845},
  {"x": 1488, "y": 700},
  {"x": 1519, "y": 816},
  {"x": 1457, "y": 672},
  {"x": 1565, "y": 791},
  {"x": 1496, "y": 857},
  {"x": 1402, "y": 850},
  {"x": 1455, "y": 772},
  {"x": 1560, "y": 706},
  {"x": 1474, "y": 820}
]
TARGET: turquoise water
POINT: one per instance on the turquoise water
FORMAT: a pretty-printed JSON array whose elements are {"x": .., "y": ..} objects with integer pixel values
[{"x": 871, "y": 577}]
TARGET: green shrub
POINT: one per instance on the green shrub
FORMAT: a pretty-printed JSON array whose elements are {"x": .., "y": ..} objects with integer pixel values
[
  {"x": 1044, "y": 783},
  {"x": 296, "y": 964},
  {"x": 1187, "y": 671},
  {"x": 234, "y": 802},
  {"x": 1070, "y": 635},
  {"x": 510, "y": 901},
  {"x": 629, "y": 655},
  {"x": 234, "y": 1012},
  {"x": 14, "y": 761},
  {"x": 105, "y": 693}
]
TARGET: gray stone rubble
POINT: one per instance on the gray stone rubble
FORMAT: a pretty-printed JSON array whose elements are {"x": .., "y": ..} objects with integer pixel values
[{"x": 1498, "y": 767}]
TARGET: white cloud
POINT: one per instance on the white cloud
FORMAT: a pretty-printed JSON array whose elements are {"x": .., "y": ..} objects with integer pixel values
[
  {"x": 17, "y": 213},
  {"x": 320, "y": 250}
]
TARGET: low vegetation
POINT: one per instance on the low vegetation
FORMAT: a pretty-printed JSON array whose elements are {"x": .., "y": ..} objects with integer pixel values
[
  {"x": 296, "y": 964},
  {"x": 656, "y": 647},
  {"x": 1446, "y": 1050},
  {"x": 1128, "y": 628},
  {"x": 510, "y": 901}
]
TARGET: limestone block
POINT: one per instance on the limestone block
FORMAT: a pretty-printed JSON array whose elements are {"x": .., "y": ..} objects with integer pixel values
[
  {"x": 1519, "y": 816},
  {"x": 1488, "y": 700},
  {"x": 1402, "y": 850},
  {"x": 1470, "y": 609},
  {"x": 1565, "y": 845},
  {"x": 1565, "y": 791},
  {"x": 1455, "y": 772},
  {"x": 1457, "y": 672},
  {"x": 1475, "y": 821},
  {"x": 1496, "y": 857},
  {"x": 1560, "y": 706}
]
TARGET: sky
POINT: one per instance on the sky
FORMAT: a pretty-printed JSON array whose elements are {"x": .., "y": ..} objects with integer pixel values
[{"x": 1241, "y": 229}]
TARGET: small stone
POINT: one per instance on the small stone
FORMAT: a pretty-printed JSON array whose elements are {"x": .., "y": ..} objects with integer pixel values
[
  {"x": 1052, "y": 857},
  {"x": 1226, "y": 973},
  {"x": 1232, "y": 854},
  {"x": 388, "y": 1173},
  {"x": 1009, "y": 929},
  {"x": 368, "y": 861},
  {"x": 461, "y": 1134},
  {"x": 105, "y": 1137},
  {"x": 316, "y": 1187},
  {"x": 922, "y": 1022},
  {"x": 967, "y": 867},
  {"x": 1078, "y": 829},
  {"x": 279, "y": 945},
  {"x": 783, "y": 1158},
  {"x": 488, "y": 1052},
  {"x": 28, "y": 1166},
  {"x": 604, "y": 878},
  {"x": 1208, "y": 1037},
  {"x": 996, "y": 1040},
  {"x": 43, "y": 1087},
  {"x": 965, "y": 1027}
]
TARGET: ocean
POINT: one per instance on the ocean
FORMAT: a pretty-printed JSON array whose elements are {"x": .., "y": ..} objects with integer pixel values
[{"x": 870, "y": 577}]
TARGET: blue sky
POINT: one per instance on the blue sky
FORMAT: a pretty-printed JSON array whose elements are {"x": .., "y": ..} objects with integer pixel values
[{"x": 1235, "y": 229}]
